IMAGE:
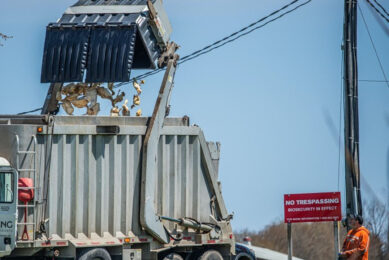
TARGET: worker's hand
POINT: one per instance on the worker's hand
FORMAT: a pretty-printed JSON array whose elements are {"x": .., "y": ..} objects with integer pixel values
[{"x": 341, "y": 256}]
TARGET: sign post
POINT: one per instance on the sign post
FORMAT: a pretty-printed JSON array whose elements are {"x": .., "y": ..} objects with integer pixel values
[
  {"x": 336, "y": 238},
  {"x": 312, "y": 207},
  {"x": 290, "y": 242}
]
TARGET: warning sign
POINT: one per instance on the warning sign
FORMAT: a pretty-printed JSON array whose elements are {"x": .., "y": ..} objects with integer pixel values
[{"x": 312, "y": 207}]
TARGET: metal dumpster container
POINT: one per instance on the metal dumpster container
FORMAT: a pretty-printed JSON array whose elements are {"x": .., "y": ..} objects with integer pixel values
[
  {"x": 87, "y": 175},
  {"x": 104, "y": 40}
]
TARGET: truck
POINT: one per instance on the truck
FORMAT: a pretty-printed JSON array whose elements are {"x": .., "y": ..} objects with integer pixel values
[
  {"x": 92, "y": 190},
  {"x": 110, "y": 187}
]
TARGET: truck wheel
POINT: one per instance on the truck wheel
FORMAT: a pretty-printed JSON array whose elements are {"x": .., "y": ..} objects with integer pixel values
[
  {"x": 243, "y": 256},
  {"x": 173, "y": 256},
  {"x": 95, "y": 254},
  {"x": 211, "y": 255}
]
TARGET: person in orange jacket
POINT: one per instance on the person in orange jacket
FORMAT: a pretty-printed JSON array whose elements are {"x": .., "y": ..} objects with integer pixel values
[{"x": 356, "y": 243}]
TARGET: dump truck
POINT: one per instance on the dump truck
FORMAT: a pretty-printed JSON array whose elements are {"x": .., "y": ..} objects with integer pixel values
[
  {"x": 110, "y": 187},
  {"x": 95, "y": 187}
]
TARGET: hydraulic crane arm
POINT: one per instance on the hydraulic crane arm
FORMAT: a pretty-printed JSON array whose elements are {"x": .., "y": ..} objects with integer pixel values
[{"x": 148, "y": 218}]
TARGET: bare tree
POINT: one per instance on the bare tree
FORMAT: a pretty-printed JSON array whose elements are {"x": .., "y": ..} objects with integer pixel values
[
  {"x": 316, "y": 240},
  {"x": 310, "y": 240},
  {"x": 376, "y": 220},
  {"x": 376, "y": 216},
  {"x": 4, "y": 37}
]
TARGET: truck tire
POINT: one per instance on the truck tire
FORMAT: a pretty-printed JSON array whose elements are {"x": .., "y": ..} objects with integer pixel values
[
  {"x": 173, "y": 256},
  {"x": 211, "y": 255},
  {"x": 95, "y": 254},
  {"x": 243, "y": 256}
]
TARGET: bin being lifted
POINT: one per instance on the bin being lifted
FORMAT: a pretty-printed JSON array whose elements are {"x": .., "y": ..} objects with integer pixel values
[{"x": 102, "y": 40}]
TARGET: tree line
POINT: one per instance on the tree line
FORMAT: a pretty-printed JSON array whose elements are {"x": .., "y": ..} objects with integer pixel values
[{"x": 316, "y": 240}]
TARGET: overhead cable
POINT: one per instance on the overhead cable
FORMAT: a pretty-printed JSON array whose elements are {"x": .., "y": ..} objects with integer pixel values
[
  {"x": 373, "y": 80},
  {"x": 383, "y": 9},
  {"x": 375, "y": 50},
  {"x": 239, "y": 31},
  {"x": 228, "y": 39},
  {"x": 31, "y": 111},
  {"x": 378, "y": 11},
  {"x": 207, "y": 50}
]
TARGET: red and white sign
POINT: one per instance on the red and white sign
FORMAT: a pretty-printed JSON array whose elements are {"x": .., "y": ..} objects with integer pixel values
[{"x": 312, "y": 207}]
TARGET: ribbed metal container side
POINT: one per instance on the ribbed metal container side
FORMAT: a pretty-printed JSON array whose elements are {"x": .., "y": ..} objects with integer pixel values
[
  {"x": 94, "y": 180},
  {"x": 182, "y": 190},
  {"x": 94, "y": 184}
]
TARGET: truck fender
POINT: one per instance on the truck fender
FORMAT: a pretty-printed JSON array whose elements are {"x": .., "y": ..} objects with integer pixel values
[
  {"x": 243, "y": 256},
  {"x": 211, "y": 255},
  {"x": 95, "y": 253}
]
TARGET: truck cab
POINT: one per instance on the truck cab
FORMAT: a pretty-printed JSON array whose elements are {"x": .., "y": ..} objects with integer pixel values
[{"x": 8, "y": 204}]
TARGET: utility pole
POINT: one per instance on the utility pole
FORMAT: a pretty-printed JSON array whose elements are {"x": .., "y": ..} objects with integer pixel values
[
  {"x": 387, "y": 176},
  {"x": 351, "y": 121}
]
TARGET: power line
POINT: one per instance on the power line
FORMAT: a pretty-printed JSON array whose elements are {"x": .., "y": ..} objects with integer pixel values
[
  {"x": 373, "y": 80},
  {"x": 372, "y": 43},
  {"x": 232, "y": 37},
  {"x": 142, "y": 76},
  {"x": 378, "y": 11},
  {"x": 31, "y": 111},
  {"x": 239, "y": 31},
  {"x": 148, "y": 74},
  {"x": 383, "y": 9},
  {"x": 204, "y": 51}
]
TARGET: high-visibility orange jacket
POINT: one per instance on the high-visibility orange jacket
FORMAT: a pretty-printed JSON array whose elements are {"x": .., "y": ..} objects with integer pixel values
[{"x": 356, "y": 244}]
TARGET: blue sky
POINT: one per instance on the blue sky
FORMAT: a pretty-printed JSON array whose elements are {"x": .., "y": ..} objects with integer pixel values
[{"x": 272, "y": 98}]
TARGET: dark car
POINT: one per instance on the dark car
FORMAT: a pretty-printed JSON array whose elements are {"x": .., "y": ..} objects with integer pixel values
[{"x": 243, "y": 252}]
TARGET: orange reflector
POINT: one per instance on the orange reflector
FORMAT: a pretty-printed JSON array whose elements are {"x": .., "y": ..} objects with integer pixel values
[
  {"x": 40, "y": 129},
  {"x": 127, "y": 240}
]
